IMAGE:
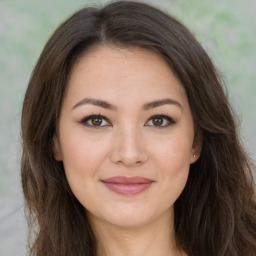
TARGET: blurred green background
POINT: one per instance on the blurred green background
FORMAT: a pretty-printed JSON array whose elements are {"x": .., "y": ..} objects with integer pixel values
[{"x": 226, "y": 29}]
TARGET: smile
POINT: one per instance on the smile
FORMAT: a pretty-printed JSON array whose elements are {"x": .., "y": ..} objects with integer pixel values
[{"x": 127, "y": 185}]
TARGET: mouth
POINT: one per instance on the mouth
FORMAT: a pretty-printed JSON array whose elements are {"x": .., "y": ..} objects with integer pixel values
[{"x": 127, "y": 185}]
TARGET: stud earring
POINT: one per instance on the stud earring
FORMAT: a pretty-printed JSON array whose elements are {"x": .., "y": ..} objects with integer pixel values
[{"x": 194, "y": 156}]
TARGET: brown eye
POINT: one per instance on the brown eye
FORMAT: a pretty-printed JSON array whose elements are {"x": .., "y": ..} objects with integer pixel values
[
  {"x": 157, "y": 121},
  {"x": 97, "y": 121},
  {"x": 160, "y": 121}
]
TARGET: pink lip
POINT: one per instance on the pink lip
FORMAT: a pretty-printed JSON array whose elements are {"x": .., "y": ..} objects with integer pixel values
[{"x": 127, "y": 185}]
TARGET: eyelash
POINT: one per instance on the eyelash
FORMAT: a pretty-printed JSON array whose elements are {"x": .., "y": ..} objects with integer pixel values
[
  {"x": 90, "y": 117},
  {"x": 86, "y": 119},
  {"x": 169, "y": 120}
]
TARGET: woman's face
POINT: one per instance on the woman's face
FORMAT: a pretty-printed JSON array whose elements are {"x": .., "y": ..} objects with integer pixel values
[{"x": 126, "y": 136}]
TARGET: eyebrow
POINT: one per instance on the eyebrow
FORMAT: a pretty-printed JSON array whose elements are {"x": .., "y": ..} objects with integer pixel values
[
  {"x": 96, "y": 102},
  {"x": 158, "y": 103},
  {"x": 107, "y": 105}
]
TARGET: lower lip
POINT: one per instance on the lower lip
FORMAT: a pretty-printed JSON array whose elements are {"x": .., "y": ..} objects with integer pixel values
[{"x": 127, "y": 189}]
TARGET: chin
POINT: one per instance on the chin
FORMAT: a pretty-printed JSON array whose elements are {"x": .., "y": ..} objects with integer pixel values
[
  {"x": 128, "y": 215},
  {"x": 128, "y": 221}
]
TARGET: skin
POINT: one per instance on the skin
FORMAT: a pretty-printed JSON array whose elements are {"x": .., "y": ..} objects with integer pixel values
[{"x": 129, "y": 143}]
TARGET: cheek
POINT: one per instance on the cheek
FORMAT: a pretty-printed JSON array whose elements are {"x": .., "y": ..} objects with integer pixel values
[
  {"x": 81, "y": 151},
  {"x": 175, "y": 151},
  {"x": 173, "y": 165},
  {"x": 82, "y": 159}
]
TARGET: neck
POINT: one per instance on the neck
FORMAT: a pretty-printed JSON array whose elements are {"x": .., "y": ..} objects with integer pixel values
[{"x": 155, "y": 238}]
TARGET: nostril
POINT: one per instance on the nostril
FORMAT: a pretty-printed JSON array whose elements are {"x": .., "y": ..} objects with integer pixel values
[
  {"x": 128, "y": 158},
  {"x": 128, "y": 147}
]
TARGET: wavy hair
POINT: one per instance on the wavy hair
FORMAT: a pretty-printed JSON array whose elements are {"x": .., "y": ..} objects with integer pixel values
[{"x": 216, "y": 213}]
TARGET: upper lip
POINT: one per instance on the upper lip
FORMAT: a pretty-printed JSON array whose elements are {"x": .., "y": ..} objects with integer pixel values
[{"x": 127, "y": 180}]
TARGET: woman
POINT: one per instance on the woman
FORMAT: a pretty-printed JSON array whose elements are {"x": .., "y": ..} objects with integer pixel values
[{"x": 129, "y": 143}]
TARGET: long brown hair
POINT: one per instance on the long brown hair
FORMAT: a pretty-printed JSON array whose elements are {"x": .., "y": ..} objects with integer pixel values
[{"x": 215, "y": 214}]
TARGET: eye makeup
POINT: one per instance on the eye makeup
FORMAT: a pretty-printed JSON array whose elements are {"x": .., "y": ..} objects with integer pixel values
[
  {"x": 95, "y": 121},
  {"x": 158, "y": 121}
]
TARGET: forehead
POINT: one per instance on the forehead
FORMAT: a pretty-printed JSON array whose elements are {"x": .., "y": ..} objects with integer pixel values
[
  {"x": 110, "y": 58},
  {"x": 123, "y": 72}
]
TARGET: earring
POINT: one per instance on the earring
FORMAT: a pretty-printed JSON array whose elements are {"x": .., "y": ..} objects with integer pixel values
[{"x": 194, "y": 156}]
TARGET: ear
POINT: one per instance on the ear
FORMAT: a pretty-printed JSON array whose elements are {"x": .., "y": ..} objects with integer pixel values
[
  {"x": 196, "y": 148},
  {"x": 56, "y": 149}
]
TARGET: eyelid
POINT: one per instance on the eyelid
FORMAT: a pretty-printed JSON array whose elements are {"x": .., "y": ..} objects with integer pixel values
[
  {"x": 91, "y": 116},
  {"x": 85, "y": 120},
  {"x": 163, "y": 116}
]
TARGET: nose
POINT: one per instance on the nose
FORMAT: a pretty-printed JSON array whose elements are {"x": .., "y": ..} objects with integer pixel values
[{"x": 129, "y": 148}]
